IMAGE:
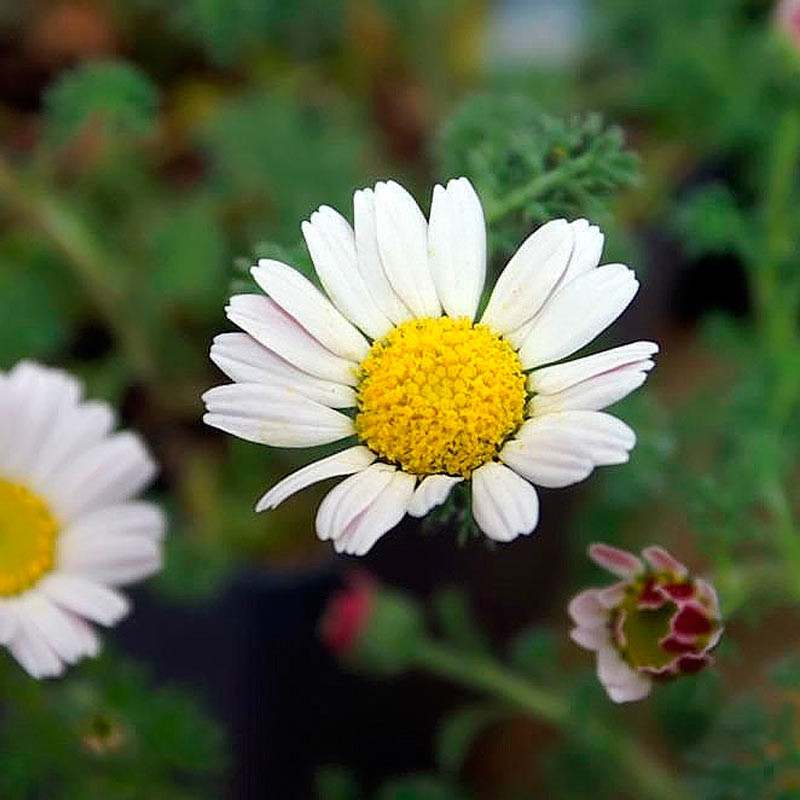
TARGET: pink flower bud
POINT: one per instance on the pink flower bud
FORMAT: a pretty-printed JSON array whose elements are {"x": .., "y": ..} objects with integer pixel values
[
  {"x": 656, "y": 623},
  {"x": 347, "y": 613}
]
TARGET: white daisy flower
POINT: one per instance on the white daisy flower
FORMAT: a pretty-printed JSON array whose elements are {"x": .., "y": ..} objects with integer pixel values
[
  {"x": 436, "y": 397},
  {"x": 70, "y": 528}
]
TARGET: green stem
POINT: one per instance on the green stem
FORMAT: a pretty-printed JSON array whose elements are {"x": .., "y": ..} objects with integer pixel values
[
  {"x": 536, "y": 187},
  {"x": 69, "y": 236},
  {"x": 651, "y": 778},
  {"x": 777, "y": 302}
]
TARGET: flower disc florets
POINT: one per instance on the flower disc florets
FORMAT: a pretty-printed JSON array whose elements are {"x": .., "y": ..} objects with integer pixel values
[
  {"x": 658, "y": 622},
  {"x": 27, "y": 538},
  {"x": 440, "y": 396}
]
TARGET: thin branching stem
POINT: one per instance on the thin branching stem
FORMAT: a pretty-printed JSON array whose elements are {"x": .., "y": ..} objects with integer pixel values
[
  {"x": 69, "y": 236},
  {"x": 647, "y": 777}
]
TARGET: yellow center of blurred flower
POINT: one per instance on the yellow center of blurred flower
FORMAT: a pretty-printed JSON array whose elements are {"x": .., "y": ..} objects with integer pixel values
[
  {"x": 439, "y": 396},
  {"x": 27, "y": 538}
]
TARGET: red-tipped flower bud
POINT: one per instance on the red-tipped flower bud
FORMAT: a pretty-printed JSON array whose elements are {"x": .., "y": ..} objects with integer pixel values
[
  {"x": 372, "y": 626},
  {"x": 347, "y": 613},
  {"x": 657, "y": 622}
]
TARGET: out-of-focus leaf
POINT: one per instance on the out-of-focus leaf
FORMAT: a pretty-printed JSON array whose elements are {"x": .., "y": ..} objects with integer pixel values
[
  {"x": 455, "y": 618},
  {"x": 33, "y": 324},
  {"x": 189, "y": 258},
  {"x": 709, "y": 221},
  {"x": 279, "y": 158},
  {"x": 105, "y": 731},
  {"x": 686, "y": 708},
  {"x": 337, "y": 783},
  {"x": 419, "y": 787},
  {"x": 119, "y": 95},
  {"x": 535, "y": 652},
  {"x": 457, "y": 733}
]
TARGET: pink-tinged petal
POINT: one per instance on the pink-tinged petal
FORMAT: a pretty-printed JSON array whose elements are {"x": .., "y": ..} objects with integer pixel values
[
  {"x": 707, "y": 595},
  {"x": 590, "y": 638},
  {"x": 691, "y": 621},
  {"x": 662, "y": 673},
  {"x": 690, "y": 664},
  {"x": 680, "y": 592},
  {"x": 278, "y": 331},
  {"x": 586, "y": 609},
  {"x": 651, "y": 596},
  {"x": 713, "y": 640},
  {"x": 616, "y": 561},
  {"x": 672, "y": 644},
  {"x": 612, "y": 595},
  {"x": 620, "y": 639},
  {"x": 662, "y": 561}
]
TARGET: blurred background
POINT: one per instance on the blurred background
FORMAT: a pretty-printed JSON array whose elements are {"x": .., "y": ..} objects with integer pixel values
[{"x": 150, "y": 151}]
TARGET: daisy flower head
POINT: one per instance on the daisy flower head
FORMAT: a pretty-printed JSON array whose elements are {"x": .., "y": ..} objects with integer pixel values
[
  {"x": 656, "y": 623},
  {"x": 71, "y": 529},
  {"x": 394, "y": 353}
]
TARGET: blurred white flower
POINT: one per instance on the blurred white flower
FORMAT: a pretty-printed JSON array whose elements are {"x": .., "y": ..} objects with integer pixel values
[
  {"x": 70, "y": 529},
  {"x": 438, "y": 398}
]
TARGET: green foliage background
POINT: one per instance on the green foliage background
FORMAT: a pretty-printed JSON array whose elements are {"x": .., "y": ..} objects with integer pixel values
[{"x": 146, "y": 167}]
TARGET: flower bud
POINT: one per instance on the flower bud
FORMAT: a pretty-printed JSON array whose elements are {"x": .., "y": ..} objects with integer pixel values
[
  {"x": 372, "y": 626},
  {"x": 656, "y": 623}
]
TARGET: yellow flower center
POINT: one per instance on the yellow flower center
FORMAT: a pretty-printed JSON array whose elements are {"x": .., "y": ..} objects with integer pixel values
[
  {"x": 439, "y": 396},
  {"x": 27, "y": 538}
]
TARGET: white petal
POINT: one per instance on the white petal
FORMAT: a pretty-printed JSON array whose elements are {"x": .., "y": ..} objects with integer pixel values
[
  {"x": 110, "y": 472},
  {"x": 378, "y": 518},
  {"x": 273, "y": 415},
  {"x": 350, "y": 498},
  {"x": 432, "y": 492},
  {"x": 76, "y": 430},
  {"x": 354, "y": 459},
  {"x": 551, "y": 380},
  {"x": 590, "y": 638},
  {"x": 587, "y": 611},
  {"x": 33, "y": 652},
  {"x": 457, "y": 247},
  {"x": 135, "y": 518},
  {"x": 331, "y": 243},
  {"x": 369, "y": 261},
  {"x": 403, "y": 246},
  {"x": 34, "y": 397},
  {"x": 9, "y": 619},
  {"x": 113, "y": 559},
  {"x": 547, "y": 453},
  {"x": 530, "y": 276},
  {"x": 636, "y": 688},
  {"x": 602, "y": 438},
  {"x": 577, "y": 313},
  {"x": 272, "y": 327},
  {"x": 587, "y": 251},
  {"x": 244, "y": 360},
  {"x": 621, "y": 681},
  {"x": 65, "y": 634},
  {"x": 596, "y": 393},
  {"x": 85, "y": 597},
  {"x": 298, "y": 297},
  {"x": 503, "y": 504}
]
